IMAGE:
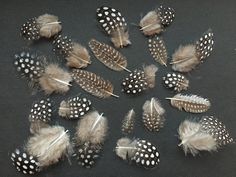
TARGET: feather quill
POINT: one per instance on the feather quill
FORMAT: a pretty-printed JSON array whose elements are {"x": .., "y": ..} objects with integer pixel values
[
  {"x": 128, "y": 122},
  {"x": 93, "y": 83},
  {"x": 109, "y": 56},
  {"x": 49, "y": 145},
  {"x": 206, "y": 134},
  {"x": 76, "y": 55},
  {"x": 186, "y": 58},
  {"x": 190, "y": 103},
  {"x": 158, "y": 50},
  {"x": 153, "y": 115}
]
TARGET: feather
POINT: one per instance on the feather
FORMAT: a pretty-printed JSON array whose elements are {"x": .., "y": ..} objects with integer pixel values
[
  {"x": 139, "y": 80},
  {"x": 157, "y": 49},
  {"x": 128, "y": 122},
  {"x": 93, "y": 83},
  {"x": 176, "y": 81},
  {"x": 138, "y": 151},
  {"x": 76, "y": 55},
  {"x": 186, "y": 58},
  {"x": 74, "y": 107},
  {"x": 190, "y": 103},
  {"x": 50, "y": 77},
  {"x": 155, "y": 21},
  {"x": 24, "y": 162},
  {"x": 114, "y": 24},
  {"x": 153, "y": 115},
  {"x": 40, "y": 115},
  {"x": 45, "y": 25},
  {"x": 90, "y": 135},
  {"x": 92, "y": 128},
  {"x": 206, "y": 134},
  {"x": 49, "y": 145},
  {"x": 109, "y": 56}
]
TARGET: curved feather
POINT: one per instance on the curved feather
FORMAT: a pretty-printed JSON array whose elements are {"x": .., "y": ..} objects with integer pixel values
[
  {"x": 93, "y": 83},
  {"x": 190, "y": 103},
  {"x": 109, "y": 56}
]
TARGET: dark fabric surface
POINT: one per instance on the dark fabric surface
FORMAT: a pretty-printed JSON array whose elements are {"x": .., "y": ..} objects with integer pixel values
[{"x": 214, "y": 79}]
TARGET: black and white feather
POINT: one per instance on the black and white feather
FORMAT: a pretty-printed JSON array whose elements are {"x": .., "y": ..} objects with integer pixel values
[
  {"x": 140, "y": 80},
  {"x": 114, "y": 24},
  {"x": 155, "y": 21},
  {"x": 141, "y": 152},
  {"x": 87, "y": 154},
  {"x": 45, "y": 25},
  {"x": 158, "y": 50},
  {"x": 153, "y": 115},
  {"x": 176, "y": 82},
  {"x": 190, "y": 103},
  {"x": 77, "y": 56},
  {"x": 187, "y": 57},
  {"x": 74, "y": 107},
  {"x": 24, "y": 162},
  {"x": 128, "y": 122},
  {"x": 206, "y": 134},
  {"x": 49, "y": 76}
]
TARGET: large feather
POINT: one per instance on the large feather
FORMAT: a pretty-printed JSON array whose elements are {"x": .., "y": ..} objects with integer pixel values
[
  {"x": 93, "y": 83},
  {"x": 128, "y": 122},
  {"x": 109, "y": 56},
  {"x": 157, "y": 49},
  {"x": 153, "y": 115},
  {"x": 206, "y": 134},
  {"x": 190, "y": 103}
]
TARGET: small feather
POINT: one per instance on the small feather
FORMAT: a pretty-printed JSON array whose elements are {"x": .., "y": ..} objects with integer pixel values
[
  {"x": 76, "y": 55},
  {"x": 176, "y": 81},
  {"x": 155, "y": 21},
  {"x": 92, "y": 128},
  {"x": 153, "y": 115},
  {"x": 74, "y": 107},
  {"x": 114, "y": 24},
  {"x": 128, "y": 122},
  {"x": 158, "y": 51},
  {"x": 190, "y": 103},
  {"x": 93, "y": 83},
  {"x": 206, "y": 134},
  {"x": 109, "y": 56},
  {"x": 49, "y": 145}
]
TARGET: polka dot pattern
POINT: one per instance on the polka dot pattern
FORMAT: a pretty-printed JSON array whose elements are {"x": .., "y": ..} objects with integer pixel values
[
  {"x": 157, "y": 49},
  {"x": 24, "y": 163},
  {"x": 176, "y": 81},
  {"x": 28, "y": 65},
  {"x": 146, "y": 155},
  {"x": 87, "y": 154},
  {"x": 110, "y": 19},
  {"x": 41, "y": 111},
  {"x": 78, "y": 107},
  {"x": 63, "y": 45},
  {"x": 128, "y": 122},
  {"x": 135, "y": 83},
  {"x": 166, "y": 14},
  {"x": 204, "y": 45},
  {"x": 217, "y": 129},
  {"x": 30, "y": 30},
  {"x": 153, "y": 122}
]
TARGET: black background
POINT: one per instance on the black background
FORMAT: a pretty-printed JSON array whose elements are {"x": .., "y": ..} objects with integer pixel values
[{"x": 214, "y": 79}]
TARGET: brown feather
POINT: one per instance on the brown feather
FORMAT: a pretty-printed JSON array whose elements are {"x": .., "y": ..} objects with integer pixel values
[
  {"x": 109, "y": 56},
  {"x": 93, "y": 83}
]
